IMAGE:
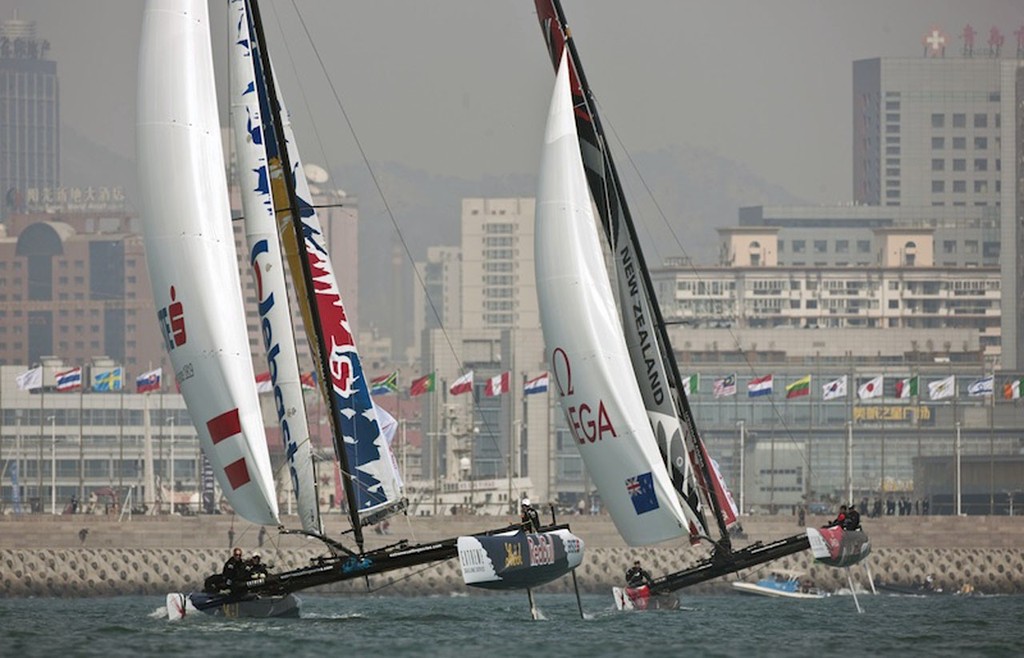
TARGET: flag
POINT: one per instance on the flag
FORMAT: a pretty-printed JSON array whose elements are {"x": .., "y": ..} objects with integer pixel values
[
  {"x": 725, "y": 386},
  {"x": 759, "y": 386},
  {"x": 498, "y": 384},
  {"x": 69, "y": 380},
  {"x": 872, "y": 388},
  {"x": 834, "y": 389},
  {"x": 942, "y": 389},
  {"x": 424, "y": 384},
  {"x": 30, "y": 379},
  {"x": 384, "y": 384},
  {"x": 536, "y": 385},
  {"x": 263, "y": 383},
  {"x": 149, "y": 381},
  {"x": 981, "y": 386},
  {"x": 1012, "y": 388},
  {"x": 107, "y": 380},
  {"x": 799, "y": 388},
  {"x": 907, "y": 388},
  {"x": 641, "y": 492},
  {"x": 691, "y": 384},
  {"x": 463, "y": 384}
]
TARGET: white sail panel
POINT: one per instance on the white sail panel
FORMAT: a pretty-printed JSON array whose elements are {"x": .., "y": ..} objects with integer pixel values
[
  {"x": 589, "y": 358},
  {"x": 265, "y": 257},
  {"x": 190, "y": 251}
]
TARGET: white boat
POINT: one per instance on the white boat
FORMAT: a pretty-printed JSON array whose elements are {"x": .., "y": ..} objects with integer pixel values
[
  {"x": 613, "y": 364},
  {"x": 277, "y": 203},
  {"x": 781, "y": 584}
]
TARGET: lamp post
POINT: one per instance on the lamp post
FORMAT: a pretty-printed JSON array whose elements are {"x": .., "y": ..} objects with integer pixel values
[
  {"x": 743, "y": 440},
  {"x": 170, "y": 476},
  {"x": 956, "y": 449},
  {"x": 53, "y": 464}
]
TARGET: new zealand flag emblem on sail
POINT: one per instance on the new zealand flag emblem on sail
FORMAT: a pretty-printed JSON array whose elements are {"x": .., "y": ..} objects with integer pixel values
[{"x": 641, "y": 492}]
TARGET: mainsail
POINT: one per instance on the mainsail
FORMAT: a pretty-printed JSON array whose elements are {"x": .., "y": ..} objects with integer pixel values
[
  {"x": 191, "y": 254},
  {"x": 589, "y": 356},
  {"x": 371, "y": 482},
  {"x": 654, "y": 366},
  {"x": 247, "y": 111}
]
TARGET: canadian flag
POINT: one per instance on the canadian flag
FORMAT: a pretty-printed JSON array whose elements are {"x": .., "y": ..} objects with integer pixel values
[{"x": 498, "y": 384}]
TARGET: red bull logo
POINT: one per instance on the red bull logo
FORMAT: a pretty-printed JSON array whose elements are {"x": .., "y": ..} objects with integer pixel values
[{"x": 542, "y": 550}]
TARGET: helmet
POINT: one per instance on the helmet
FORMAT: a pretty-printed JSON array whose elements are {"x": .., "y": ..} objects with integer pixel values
[
  {"x": 526, "y": 502},
  {"x": 255, "y": 555}
]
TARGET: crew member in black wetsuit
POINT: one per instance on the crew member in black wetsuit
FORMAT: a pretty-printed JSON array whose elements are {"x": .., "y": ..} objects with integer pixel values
[
  {"x": 255, "y": 568},
  {"x": 637, "y": 576},
  {"x": 852, "y": 521},
  {"x": 529, "y": 517},
  {"x": 234, "y": 568}
]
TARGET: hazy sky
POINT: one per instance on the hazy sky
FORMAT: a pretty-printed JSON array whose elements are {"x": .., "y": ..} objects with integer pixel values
[{"x": 461, "y": 87}]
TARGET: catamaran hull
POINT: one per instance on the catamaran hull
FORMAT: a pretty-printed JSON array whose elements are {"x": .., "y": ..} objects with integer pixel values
[
  {"x": 836, "y": 547},
  {"x": 518, "y": 560},
  {"x": 640, "y": 598},
  {"x": 180, "y": 605}
]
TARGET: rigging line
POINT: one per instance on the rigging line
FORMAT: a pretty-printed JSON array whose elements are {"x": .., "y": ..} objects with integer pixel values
[
  {"x": 403, "y": 578},
  {"x": 733, "y": 336},
  {"x": 389, "y": 212}
]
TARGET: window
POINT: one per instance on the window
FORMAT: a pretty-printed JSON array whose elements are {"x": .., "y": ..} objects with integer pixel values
[
  {"x": 959, "y": 164},
  {"x": 799, "y": 246},
  {"x": 892, "y": 117},
  {"x": 938, "y": 120},
  {"x": 863, "y": 246},
  {"x": 981, "y": 187},
  {"x": 892, "y": 150},
  {"x": 959, "y": 186},
  {"x": 980, "y": 164},
  {"x": 938, "y": 164},
  {"x": 938, "y": 186},
  {"x": 892, "y": 105},
  {"x": 981, "y": 121},
  {"x": 894, "y": 303},
  {"x": 892, "y": 172},
  {"x": 821, "y": 246},
  {"x": 971, "y": 246},
  {"x": 949, "y": 246},
  {"x": 938, "y": 143},
  {"x": 842, "y": 246},
  {"x": 959, "y": 143},
  {"x": 981, "y": 143},
  {"x": 959, "y": 120}
]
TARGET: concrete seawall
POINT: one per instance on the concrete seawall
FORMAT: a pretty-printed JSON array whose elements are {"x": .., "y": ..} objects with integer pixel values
[{"x": 51, "y": 556}]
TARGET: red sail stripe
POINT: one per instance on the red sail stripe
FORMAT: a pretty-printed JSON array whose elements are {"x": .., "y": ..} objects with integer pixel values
[
  {"x": 225, "y": 425},
  {"x": 237, "y": 472}
]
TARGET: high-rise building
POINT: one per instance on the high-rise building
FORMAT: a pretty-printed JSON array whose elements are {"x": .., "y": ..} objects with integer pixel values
[{"x": 29, "y": 115}]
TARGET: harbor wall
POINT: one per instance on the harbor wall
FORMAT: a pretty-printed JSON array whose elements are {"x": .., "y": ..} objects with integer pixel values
[{"x": 92, "y": 556}]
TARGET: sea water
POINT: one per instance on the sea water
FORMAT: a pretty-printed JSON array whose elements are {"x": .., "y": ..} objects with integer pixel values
[{"x": 501, "y": 625}]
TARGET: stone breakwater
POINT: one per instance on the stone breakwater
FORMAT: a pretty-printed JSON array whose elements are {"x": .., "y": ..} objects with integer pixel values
[
  {"x": 82, "y": 572},
  {"x": 43, "y": 555}
]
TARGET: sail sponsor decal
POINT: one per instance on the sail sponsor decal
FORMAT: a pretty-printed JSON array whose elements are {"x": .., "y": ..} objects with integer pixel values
[
  {"x": 641, "y": 492},
  {"x": 589, "y": 422},
  {"x": 513, "y": 555},
  {"x": 259, "y": 257},
  {"x": 172, "y": 322},
  {"x": 223, "y": 427},
  {"x": 541, "y": 550}
]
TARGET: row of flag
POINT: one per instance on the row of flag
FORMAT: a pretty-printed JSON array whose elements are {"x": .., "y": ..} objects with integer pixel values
[
  {"x": 906, "y": 388},
  {"x": 494, "y": 386},
  {"x": 102, "y": 381}
]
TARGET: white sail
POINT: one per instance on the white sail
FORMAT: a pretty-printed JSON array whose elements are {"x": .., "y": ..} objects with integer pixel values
[
  {"x": 191, "y": 254},
  {"x": 589, "y": 358},
  {"x": 265, "y": 257}
]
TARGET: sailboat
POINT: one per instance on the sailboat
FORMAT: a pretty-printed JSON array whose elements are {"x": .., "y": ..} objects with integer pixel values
[
  {"x": 192, "y": 263},
  {"x": 610, "y": 355}
]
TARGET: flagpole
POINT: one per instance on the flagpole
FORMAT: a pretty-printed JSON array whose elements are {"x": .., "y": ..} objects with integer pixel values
[
  {"x": 42, "y": 418},
  {"x": 120, "y": 428},
  {"x": 81, "y": 441}
]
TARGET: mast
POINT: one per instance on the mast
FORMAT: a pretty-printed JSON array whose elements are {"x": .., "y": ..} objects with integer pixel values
[
  {"x": 606, "y": 190},
  {"x": 296, "y": 223}
]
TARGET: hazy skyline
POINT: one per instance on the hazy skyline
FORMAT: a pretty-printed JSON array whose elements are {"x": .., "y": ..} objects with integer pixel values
[{"x": 460, "y": 87}]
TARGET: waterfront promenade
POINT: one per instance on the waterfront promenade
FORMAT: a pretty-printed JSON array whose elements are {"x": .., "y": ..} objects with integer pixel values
[{"x": 86, "y": 555}]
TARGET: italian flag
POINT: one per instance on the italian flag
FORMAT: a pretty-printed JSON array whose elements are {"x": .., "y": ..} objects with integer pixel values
[
  {"x": 799, "y": 388},
  {"x": 907, "y": 388},
  {"x": 1012, "y": 388},
  {"x": 424, "y": 384},
  {"x": 691, "y": 384}
]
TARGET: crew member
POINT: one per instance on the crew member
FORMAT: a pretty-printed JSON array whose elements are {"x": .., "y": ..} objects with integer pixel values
[
  {"x": 255, "y": 567},
  {"x": 529, "y": 517},
  {"x": 637, "y": 576},
  {"x": 234, "y": 568},
  {"x": 852, "y": 521},
  {"x": 840, "y": 520}
]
